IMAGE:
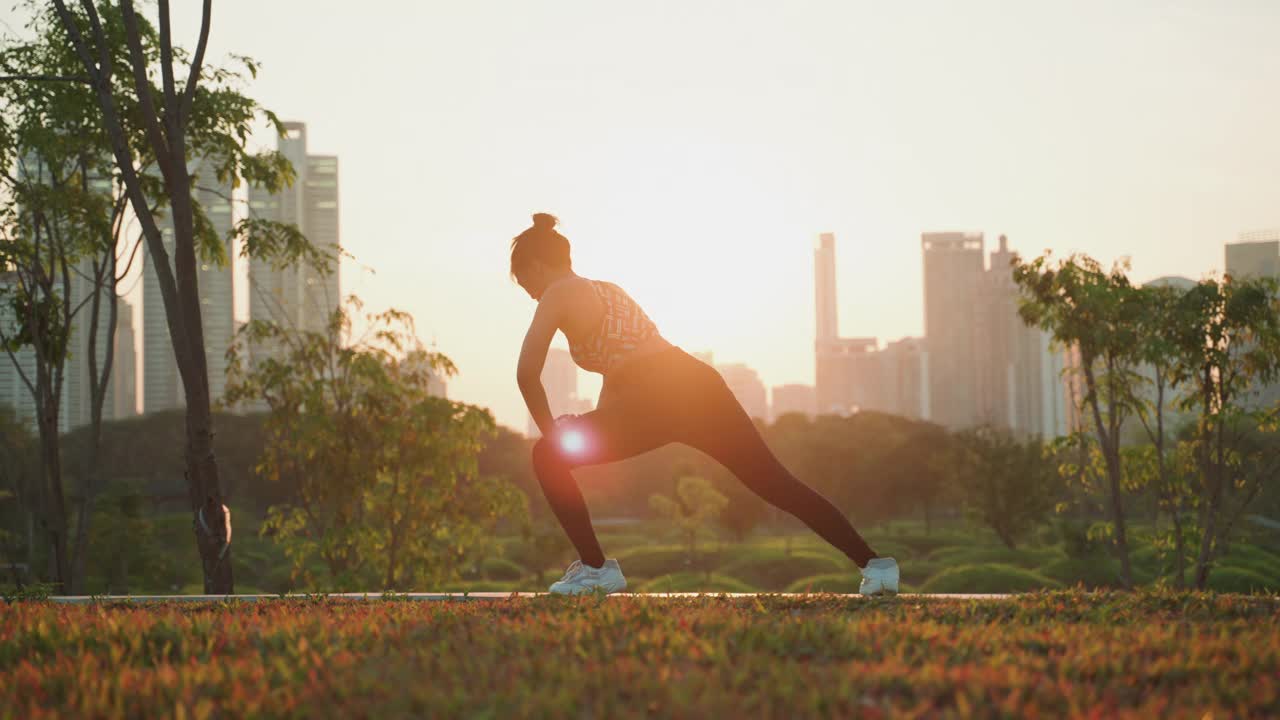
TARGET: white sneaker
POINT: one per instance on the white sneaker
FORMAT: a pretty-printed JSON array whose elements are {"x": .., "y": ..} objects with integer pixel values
[
  {"x": 582, "y": 578},
  {"x": 880, "y": 577}
]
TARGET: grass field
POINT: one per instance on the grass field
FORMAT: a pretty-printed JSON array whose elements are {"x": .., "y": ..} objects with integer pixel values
[{"x": 1068, "y": 653}]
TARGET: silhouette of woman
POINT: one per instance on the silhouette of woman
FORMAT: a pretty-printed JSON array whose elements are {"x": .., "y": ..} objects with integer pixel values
[{"x": 653, "y": 393}]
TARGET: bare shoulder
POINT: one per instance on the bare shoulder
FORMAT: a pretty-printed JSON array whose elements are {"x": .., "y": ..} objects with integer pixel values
[{"x": 569, "y": 292}]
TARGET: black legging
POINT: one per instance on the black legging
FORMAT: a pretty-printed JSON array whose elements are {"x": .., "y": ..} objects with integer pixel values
[{"x": 672, "y": 396}]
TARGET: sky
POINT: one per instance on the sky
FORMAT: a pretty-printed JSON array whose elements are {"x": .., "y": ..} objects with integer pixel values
[{"x": 694, "y": 150}]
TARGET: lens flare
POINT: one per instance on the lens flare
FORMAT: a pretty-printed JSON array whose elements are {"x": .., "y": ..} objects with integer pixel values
[{"x": 572, "y": 441}]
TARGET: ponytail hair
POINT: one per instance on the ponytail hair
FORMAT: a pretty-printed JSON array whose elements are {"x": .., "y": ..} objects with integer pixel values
[{"x": 541, "y": 242}]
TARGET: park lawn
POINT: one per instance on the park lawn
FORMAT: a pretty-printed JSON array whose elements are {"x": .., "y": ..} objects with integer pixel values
[{"x": 1145, "y": 654}]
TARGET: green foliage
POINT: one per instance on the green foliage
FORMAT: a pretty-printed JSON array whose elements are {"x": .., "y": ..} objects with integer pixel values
[
  {"x": 36, "y": 591},
  {"x": 696, "y": 504},
  {"x": 501, "y": 569},
  {"x": 775, "y": 571},
  {"x": 1096, "y": 572},
  {"x": 993, "y": 554},
  {"x": 1255, "y": 559},
  {"x": 1009, "y": 484},
  {"x": 987, "y": 578},
  {"x": 1240, "y": 580},
  {"x": 389, "y": 494},
  {"x": 830, "y": 582},
  {"x": 694, "y": 582},
  {"x": 652, "y": 561}
]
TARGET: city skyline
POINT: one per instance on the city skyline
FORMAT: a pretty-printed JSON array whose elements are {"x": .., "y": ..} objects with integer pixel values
[{"x": 758, "y": 126}]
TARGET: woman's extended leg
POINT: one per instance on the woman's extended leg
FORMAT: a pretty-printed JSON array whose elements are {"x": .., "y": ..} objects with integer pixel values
[
  {"x": 607, "y": 435},
  {"x": 728, "y": 435}
]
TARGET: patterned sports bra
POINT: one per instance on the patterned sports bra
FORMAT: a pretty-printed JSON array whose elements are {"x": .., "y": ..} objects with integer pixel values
[{"x": 621, "y": 330}]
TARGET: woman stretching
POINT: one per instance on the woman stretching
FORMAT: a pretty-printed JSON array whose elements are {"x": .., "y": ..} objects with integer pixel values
[{"x": 653, "y": 393}]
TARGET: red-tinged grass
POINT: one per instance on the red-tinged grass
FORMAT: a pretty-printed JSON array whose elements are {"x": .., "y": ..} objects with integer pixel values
[{"x": 1143, "y": 655}]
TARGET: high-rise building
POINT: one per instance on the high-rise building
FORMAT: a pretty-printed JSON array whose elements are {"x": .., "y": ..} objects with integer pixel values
[
  {"x": 18, "y": 369},
  {"x": 747, "y": 388},
  {"x": 161, "y": 383},
  {"x": 1257, "y": 255},
  {"x": 1019, "y": 380},
  {"x": 560, "y": 381},
  {"x": 786, "y": 399},
  {"x": 846, "y": 370},
  {"x": 954, "y": 271},
  {"x": 905, "y": 372},
  {"x": 124, "y": 372},
  {"x": 824, "y": 283},
  {"x": 297, "y": 296}
]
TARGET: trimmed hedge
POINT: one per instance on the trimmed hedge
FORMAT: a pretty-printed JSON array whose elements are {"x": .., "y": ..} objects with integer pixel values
[
  {"x": 690, "y": 582},
  {"x": 987, "y": 578},
  {"x": 975, "y": 555},
  {"x": 772, "y": 574},
  {"x": 1239, "y": 580},
  {"x": 1092, "y": 573}
]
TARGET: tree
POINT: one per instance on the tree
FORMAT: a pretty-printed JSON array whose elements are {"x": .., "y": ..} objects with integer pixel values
[
  {"x": 1162, "y": 321},
  {"x": 1097, "y": 313},
  {"x": 18, "y": 481},
  {"x": 696, "y": 503},
  {"x": 60, "y": 239},
  {"x": 120, "y": 55},
  {"x": 1010, "y": 485},
  {"x": 387, "y": 475},
  {"x": 916, "y": 469},
  {"x": 1229, "y": 344}
]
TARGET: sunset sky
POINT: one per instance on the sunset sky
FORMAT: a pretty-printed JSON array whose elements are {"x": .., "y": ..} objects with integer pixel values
[{"x": 693, "y": 150}]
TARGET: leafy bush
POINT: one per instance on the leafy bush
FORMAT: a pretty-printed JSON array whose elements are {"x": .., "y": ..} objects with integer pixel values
[
  {"x": 917, "y": 572},
  {"x": 1239, "y": 580},
  {"x": 831, "y": 582},
  {"x": 691, "y": 582},
  {"x": 774, "y": 573},
  {"x": 1076, "y": 542},
  {"x": 924, "y": 544},
  {"x": 1092, "y": 572},
  {"x": 496, "y": 568},
  {"x": 891, "y": 548},
  {"x": 987, "y": 578},
  {"x": 1253, "y": 559},
  {"x": 483, "y": 586},
  {"x": 1001, "y": 555},
  {"x": 650, "y": 562}
]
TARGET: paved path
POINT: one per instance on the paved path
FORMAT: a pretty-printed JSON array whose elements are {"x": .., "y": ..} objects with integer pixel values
[{"x": 462, "y": 596}]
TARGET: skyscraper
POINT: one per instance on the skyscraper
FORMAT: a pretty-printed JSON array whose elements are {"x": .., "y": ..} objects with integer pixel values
[
  {"x": 953, "y": 275},
  {"x": 297, "y": 297},
  {"x": 560, "y": 381},
  {"x": 846, "y": 370},
  {"x": 1019, "y": 387},
  {"x": 747, "y": 388},
  {"x": 792, "y": 399},
  {"x": 161, "y": 382},
  {"x": 905, "y": 372},
  {"x": 1257, "y": 255},
  {"x": 824, "y": 283},
  {"x": 124, "y": 378}
]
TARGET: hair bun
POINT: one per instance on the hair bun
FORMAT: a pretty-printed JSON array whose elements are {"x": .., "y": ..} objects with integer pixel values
[{"x": 544, "y": 221}]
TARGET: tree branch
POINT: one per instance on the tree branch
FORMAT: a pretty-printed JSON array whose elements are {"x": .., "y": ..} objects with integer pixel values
[
  {"x": 193, "y": 75},
  {"x": 142, "y": 85}
]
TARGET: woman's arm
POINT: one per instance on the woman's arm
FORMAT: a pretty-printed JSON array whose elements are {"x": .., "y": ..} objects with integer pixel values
[{"x": 533, "y": 354}]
